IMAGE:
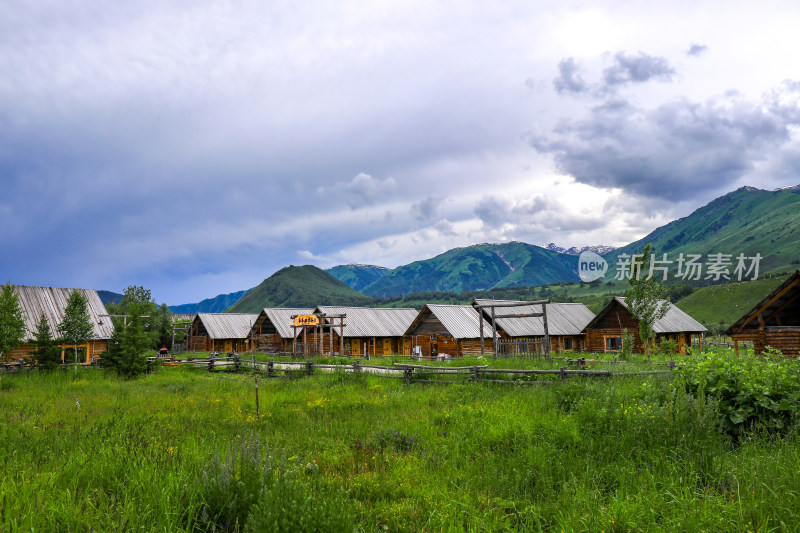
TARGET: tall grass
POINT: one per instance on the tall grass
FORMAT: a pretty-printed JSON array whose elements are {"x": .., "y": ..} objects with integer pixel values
[{"x": 632, "y": 453}]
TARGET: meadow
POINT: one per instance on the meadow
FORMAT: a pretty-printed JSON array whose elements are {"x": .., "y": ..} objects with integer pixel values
[{"x": 182, "y": 449}]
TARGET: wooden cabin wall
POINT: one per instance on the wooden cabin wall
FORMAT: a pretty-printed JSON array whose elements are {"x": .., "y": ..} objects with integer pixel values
[
  {"x": 93, "y": 351},
  {"x": 268, "y": 342},
  {"x": 473, "y": 347},
  {"x": 787, "y": 341}
]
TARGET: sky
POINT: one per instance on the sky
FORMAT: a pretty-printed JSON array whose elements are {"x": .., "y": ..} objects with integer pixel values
[{"x": 195, "y": 148}]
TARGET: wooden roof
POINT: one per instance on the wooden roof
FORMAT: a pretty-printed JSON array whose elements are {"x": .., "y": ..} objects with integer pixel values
[
  {"x": 675, "y": 321},
  {"x": 780, "y": 308},
  {"x": 281, "y": 318},
  {"x": 562, "y": 318},
  {"x": 461, "y": 321},
  {"x": 52, "y": 301},
  {"x": 371, "y": 321},
  {"x": 227, "y": 325}
]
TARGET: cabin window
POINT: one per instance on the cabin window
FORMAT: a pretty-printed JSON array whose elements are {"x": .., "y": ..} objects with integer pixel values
[
  {"x": 568, "y": 344},
  {"x": 68, "y": 354},
  {"x": 613, "y": 344}
]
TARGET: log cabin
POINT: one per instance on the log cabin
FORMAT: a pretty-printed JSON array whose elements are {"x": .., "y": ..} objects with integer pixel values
[
  {"x": 220, "y": 332},
  {"x": 565, "y": 324},
  {"x": 52, "y": 301},
  {"x": 604, "y": 332},
  {"x": 453, "y": 330},
  {"x": 272, "y": 330},
  {"x": 774, "y": 322},
  {"x": 366, "y": 331}
]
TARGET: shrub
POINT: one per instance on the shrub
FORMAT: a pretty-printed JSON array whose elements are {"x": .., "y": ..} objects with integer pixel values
[
  {"x": 752, "y": 391},
  {"x": 288, "y": 505},
  {"x": 231, "y": 484}
]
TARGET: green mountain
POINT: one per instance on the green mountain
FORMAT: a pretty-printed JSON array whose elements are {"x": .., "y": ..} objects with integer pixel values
[
  {"x": 358, "y": 276},
  {"x": 746, "y": 221},
  {"x": 479, "y": 267},
  {"x": 217, "y": 304},
  {"x": 299, "y": 286},
  {"x": 108, "y": 297}
]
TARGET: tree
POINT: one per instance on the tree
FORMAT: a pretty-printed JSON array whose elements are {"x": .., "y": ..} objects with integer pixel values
[
  {"x": 47, "y": 353},
  {"x": 76, "y": 327},
  {"x": 157, "y": 323},
  {"x": 12, "y": 320},
  {"x": 129, "y": 343},
  {"x": 645, "y": 297}
]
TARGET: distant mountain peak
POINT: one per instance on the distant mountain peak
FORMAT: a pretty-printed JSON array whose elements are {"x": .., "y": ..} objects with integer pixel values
[{"x": 600, "y": 249}]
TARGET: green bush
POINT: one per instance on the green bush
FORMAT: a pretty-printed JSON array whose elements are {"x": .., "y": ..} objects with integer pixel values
[
  {"x": 288, "y": 505},
  {"x": 231, "y": 484},
  {"x": 752, "y": 392}
]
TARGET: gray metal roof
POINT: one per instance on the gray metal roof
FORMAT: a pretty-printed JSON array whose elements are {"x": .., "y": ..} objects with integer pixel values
[
  {"x": 562, "y": 318},
  {"x": 372, "y": 321},
  {"x": 52, "y": 301},
  {"x": 281, "y": 318},
  {"x": 675, "y": 321},
  {"x": 462, "y": 321},
  {"x": 227, "y": 325}
]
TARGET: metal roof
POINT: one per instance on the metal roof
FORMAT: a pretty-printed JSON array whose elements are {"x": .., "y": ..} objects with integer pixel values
[
  {"x": 52, "y": 301},
  {"x": 227, "y": 325},
  {"x": 775, "y": 302},
  {"x": 462, "y": 321},
  {"x": 562, "y": 318},
  {"x": 281, "y": 318},
  {"x": 675, "y": 321},
  {"x": 372, "y": 321}
]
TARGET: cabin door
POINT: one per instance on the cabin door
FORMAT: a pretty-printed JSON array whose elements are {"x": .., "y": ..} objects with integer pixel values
[{"x": 228, "y": 346}]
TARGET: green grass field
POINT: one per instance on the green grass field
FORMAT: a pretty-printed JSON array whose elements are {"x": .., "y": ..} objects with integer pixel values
[{"x": 167, "y": 453}]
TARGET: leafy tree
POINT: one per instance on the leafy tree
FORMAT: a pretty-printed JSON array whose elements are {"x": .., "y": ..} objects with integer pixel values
[
  {"x": 12, "y": 320},
  {"x": 129, "y": 343},
  {"x": 157, "y": 320},
  {"x": 644, "y": 298},
  {"x": 47, "y": 353},
  {"x": 76, "y": 327}
]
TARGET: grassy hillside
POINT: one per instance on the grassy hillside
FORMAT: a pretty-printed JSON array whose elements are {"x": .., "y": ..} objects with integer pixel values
[
  {"x": 357, "y": 276},
  {"x": 747, "y": 221},
  {"x": 218, "y": 304},
  {"x": 720, "y": 306},
  {"x": 478, "y": 267},
  {"x": 299, "y": 286}
]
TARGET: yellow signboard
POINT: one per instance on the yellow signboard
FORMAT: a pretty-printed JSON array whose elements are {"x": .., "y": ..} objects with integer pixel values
[{"x": 306, "y": 320}]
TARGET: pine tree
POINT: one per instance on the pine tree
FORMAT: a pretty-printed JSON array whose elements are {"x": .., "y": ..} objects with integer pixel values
[
  {"x": 76, "y": 327},
  {"x": 12, "y": 321},
  {"x": 129, "y": 344},
  {"x": 47, "y": 353},
  {"x": 644, "y": 298}
]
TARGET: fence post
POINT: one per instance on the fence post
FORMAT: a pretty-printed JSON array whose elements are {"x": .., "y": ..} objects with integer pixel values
[
  {"x": 356, "y": 367},
  {"x": 671, "y": 365},
  {"x": 270, "y": 368},
  {"x": 475, "y": 373},
  {"x": 309, "y": 367},
  {"x": 563, "y": 372},
  {"x": 408, "y": 373},
  {"x": 210, "y": 362},
  {"x": 236, "y": 363}
]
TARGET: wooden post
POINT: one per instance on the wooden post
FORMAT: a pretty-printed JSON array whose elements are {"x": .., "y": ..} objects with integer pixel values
[
  {"x": 305, "y": 340},
  {"x": 341, "y": 335},
  {"x": 736, "y": 347},
  {"x": 309, "y": 367},
  {"x": 255, "y": 378},
  {"x": 546, "y": 331},
  {"x": 270, "y": 368},
  {"x": 294, "y": 340},
  {"x": 494, "y": 333},
  {"x": 480, "y": 322}
]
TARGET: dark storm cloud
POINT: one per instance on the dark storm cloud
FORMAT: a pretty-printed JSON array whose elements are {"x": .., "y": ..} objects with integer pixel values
[
  {"x": 639, "y": 68},
  {"x": 696, "y": 50},
  {"x": 569, "y": 79},
  {"x": 677, "y": 149}
]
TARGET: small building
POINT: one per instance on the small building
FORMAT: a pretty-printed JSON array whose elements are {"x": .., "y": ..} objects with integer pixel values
[
  {"x": 272, "y": 330},
  {"x": 774, "y": 322},
  {"x": 604, "y": 332},
  {"x": 220, "y": 332},
  {"x": 565, "y": 324},
  {"x": 454, "y": 330},
  {"x": 52, "y": 301},
  {"x": 366, "y": 331}
]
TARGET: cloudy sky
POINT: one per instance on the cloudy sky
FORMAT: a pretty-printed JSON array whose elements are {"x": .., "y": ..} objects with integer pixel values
[{"x": 195, "y": 148}]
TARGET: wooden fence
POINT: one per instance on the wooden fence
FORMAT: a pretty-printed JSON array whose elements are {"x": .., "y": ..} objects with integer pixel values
[{"x": 411, "y": 373}]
